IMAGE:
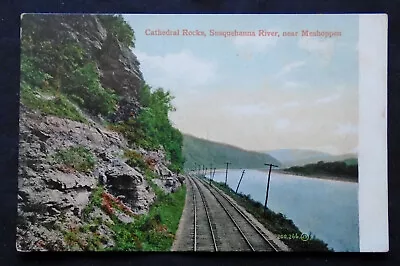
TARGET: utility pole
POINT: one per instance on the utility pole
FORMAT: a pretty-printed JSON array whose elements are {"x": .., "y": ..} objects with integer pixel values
[
  {"x": 239, "y": 182},
  {"x": 214, "y": 172},
  {"x": 269, "y": 177},
  {"x": 226, "y": 172},
  {"x": 203, "y": 170},
  {"x": 210, "y": 173},
  {"x": 205, "y": 173}
]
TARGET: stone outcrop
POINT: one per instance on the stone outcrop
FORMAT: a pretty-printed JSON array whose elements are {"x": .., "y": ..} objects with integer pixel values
[
  {"x": 118, "y": 66},
  {"x": 60, "y": 203},
  {"x": 167, "y": 181},
  {"x": 50, "y": 192}
]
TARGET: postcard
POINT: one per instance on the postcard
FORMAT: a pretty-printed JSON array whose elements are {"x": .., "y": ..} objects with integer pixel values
[{"x": 210, "y": 133}]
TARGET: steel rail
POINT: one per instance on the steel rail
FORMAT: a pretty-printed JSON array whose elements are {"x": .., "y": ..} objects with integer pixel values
[
  {"x": 207, "y": 214},
  {"x": 230, "y": 216},
  {"x": 255, "y": 227}
]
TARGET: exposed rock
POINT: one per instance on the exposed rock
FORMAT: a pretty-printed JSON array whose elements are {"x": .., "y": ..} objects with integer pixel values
[
  {"x": 123, "y": 217},
  {"x": 169, "y": 184},
  {"x": 118, "y": 66},
  {"x": 49, "y": 192},
  {"x": 52, "y": 197},
  {"x": 158, "y": 162},
  {"x": 128, "y": 182}
]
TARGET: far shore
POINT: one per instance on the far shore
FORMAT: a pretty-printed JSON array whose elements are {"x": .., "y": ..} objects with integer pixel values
[
  {"x": 328, "y": 177},
  {"x": 284, "y": 172}
]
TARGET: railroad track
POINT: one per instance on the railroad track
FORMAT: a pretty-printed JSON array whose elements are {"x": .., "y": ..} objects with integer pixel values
[
  {"x": 203, "y": 231},
  {"x": 251, "y": 233}
]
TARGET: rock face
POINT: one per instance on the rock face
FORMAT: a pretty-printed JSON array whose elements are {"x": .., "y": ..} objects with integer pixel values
[
  {"x": 50, "y": 192},
  {"x": 128, "y": 184},
  {"x": 78, "y": 198},
  {"x": 168, "y": 181},
  {"x": 118, "y": 66}
]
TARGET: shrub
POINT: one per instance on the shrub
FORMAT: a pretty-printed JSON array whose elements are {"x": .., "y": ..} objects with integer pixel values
[
  {"x": 135, "y": 159},
  {"x": 85, "y": 88},
  {"x": 78, "y": 158},
  {"x": 119, "y": 28}
]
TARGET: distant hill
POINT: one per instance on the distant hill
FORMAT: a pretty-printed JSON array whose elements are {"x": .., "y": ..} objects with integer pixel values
[
  {"x": 298, "y": 157},
  {"x": 206, "y": 152}
]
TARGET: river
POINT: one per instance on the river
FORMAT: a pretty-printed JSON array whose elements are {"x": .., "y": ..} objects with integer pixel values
[{"x": 326, "y": 208}]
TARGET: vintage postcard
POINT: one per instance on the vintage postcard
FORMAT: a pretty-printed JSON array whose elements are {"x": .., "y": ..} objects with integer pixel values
[{"x": 207, "y": 133}]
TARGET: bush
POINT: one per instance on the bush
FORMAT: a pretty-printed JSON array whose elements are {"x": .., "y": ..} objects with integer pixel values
[
  {"x": 135, "y": 159},
  {"x": 119, "y": 28},
  {"x": 85, "y": 88},
  {"x": 60, "y": 64},
  {"x": 58, "y": 105},
  {"x": 78, "y": 158}
]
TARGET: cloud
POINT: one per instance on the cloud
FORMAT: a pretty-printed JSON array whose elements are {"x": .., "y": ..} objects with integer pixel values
[
  {"x": 282, "y": 123},
  {"x": 292, "y": 85},
  {"x": 328, "y": 99},
  {"x": 290, "y": 67},
  {"x": 291, "y": 104},
  {"x": 175, "y": 71},
  {"x": 254, "y": 44},
  {"x": 249, "y": 109},
  {"x": 322, "y": 48},
  {"x": 346, "y": 129}
]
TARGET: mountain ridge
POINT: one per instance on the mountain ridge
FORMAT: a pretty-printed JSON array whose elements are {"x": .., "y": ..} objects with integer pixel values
[
  {"x": 292, "y": 157},
  {"x": 199, "y": 151}
]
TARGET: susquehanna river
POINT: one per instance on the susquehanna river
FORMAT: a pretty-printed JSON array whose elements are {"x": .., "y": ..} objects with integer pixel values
[{"x": 328, "y": 209}]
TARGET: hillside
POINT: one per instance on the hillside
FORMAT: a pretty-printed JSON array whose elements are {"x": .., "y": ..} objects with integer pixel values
[
  {"x": 92, "y": 178},
  {"x": 298, "y": 157},
  {"x": 201, "y": 151}
]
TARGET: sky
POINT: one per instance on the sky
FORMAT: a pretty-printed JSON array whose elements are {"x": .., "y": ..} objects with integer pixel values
[{"x": 255, "y": 92}]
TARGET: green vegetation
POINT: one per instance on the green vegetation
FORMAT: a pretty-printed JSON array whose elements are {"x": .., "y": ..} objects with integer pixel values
[
  {"x": 57, "y": 75},
  {"x": 60, "y": 77},
  {"x": 351, "y": 161},
  {"x": 201, "y": 151},
  {"x": 119, "y": 28},
  {"x": 135, "y": 159},
  {"x": 154, "y": 231},
  {"x": 58, "y": 106},
  {"x": 58, "y": 66},
  {"x": 277, "y": 223},
  {"x": 347, "y": 170},
  {"x": 152, "y": 127},
  {"x": 78, "y": 158}
]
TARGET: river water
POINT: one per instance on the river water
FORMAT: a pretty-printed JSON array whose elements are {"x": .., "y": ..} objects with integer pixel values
[{"x": 328, "y": 209}]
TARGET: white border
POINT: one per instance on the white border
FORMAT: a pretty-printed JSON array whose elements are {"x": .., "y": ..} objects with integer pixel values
[{"x": 372, "y": 148}]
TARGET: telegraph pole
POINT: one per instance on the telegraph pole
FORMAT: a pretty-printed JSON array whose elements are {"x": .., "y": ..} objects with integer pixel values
[
  {"x": 203, "y": 170},
  {"x": 239, "y": 182},
  {"x": 210, "y": 173},
  {"x": 269, "y": 177},
  {"x": 214, "y": 172},
  {"x": 226, "y": 172}
]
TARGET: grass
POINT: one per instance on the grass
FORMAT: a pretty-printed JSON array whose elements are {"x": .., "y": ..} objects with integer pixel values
[
  {"x": 78, "y": 158},
  {"x": 277, "y": 223},
  {"x": 154, "y": 231},
  {"x": 59, "y": 106},
  {"x": 135, "y": 159}
]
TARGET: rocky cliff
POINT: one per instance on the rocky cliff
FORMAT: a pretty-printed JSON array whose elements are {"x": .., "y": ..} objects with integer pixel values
[
  {"x": 75, "y": 180},
  {"x": 118, "y": 66}
]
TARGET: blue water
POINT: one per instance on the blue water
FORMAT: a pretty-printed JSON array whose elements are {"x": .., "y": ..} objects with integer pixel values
[{"x": 328, "y": 209}]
